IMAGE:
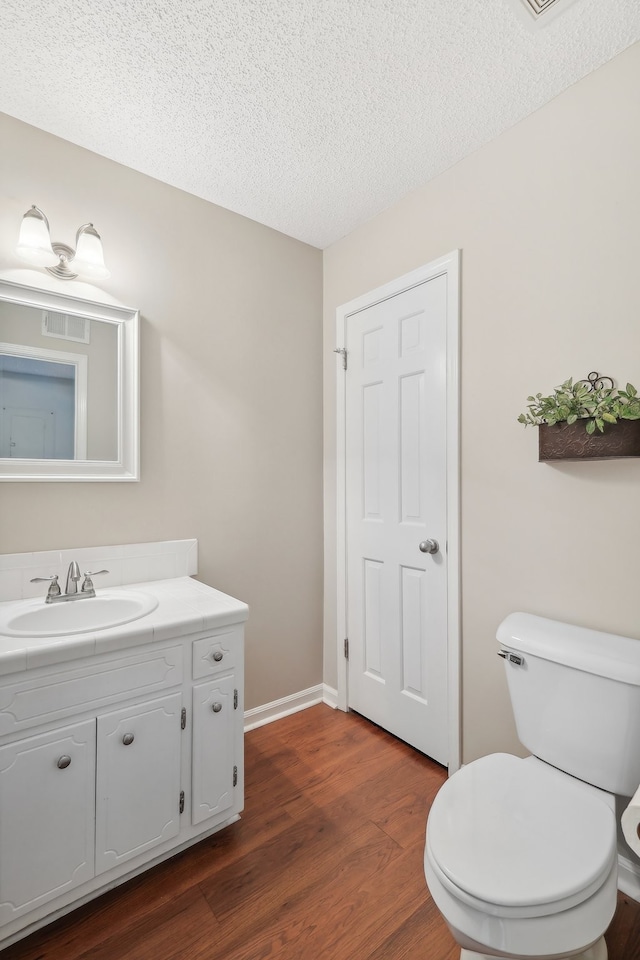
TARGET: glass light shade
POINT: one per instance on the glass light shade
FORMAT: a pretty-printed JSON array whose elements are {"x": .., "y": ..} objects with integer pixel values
[
  {"x": 34, "y": 241},
  {"x": 89, "y": 258}
]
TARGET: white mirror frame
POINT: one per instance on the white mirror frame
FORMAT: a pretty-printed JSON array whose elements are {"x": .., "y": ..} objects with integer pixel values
[{"x": 127, "y": 464}]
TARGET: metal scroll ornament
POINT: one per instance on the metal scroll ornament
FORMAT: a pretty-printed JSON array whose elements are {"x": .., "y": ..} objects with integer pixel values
[{"x": 595, "y": 382}]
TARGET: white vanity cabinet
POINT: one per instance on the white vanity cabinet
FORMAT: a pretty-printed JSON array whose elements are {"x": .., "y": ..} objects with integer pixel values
[
  {"x": 80, "y": 800},
  {"x": 110, "y": 762}
]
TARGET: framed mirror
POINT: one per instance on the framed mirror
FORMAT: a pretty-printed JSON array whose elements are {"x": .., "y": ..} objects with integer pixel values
[{"x": 69, "y": 391}]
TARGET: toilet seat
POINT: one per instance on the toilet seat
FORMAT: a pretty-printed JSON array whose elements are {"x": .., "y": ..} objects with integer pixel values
[{"x": 514, "y": 838}]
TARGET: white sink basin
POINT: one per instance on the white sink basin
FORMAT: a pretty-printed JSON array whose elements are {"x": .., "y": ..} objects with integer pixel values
[{"x": 110, "y": 608}]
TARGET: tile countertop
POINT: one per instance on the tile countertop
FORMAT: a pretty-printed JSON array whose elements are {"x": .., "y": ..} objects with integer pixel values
[{"x": 184, "y": 606}]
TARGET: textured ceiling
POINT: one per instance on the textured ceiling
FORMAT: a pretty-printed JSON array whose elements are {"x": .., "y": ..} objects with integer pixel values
[{"x": 310, "y": 116}]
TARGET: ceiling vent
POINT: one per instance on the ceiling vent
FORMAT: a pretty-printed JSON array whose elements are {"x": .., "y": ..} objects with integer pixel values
[
  {"x": 63, "y": 326},
  {"x": 543, "y": 11}
]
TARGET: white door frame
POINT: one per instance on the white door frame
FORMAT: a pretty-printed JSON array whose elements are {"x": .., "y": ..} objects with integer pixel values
[{"x": 448, "y": 266}]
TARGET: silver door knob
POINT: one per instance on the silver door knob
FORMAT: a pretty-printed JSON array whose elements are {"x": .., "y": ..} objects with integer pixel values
[
  {"x": 429, "y": 546},
  {"x": 64, "y": 762},
  {"x": 128, "y": 739},
  {"x": 218, "y": 655},
  {"x": 217, "y": 707}
]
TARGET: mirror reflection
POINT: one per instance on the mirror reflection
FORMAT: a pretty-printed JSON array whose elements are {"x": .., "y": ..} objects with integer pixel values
[{"x": 58, "y": 385}]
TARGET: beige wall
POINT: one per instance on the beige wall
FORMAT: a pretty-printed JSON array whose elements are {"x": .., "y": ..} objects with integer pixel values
[
  {"x": 547, "y": 217},
  {"x": 231, "y": 395}
]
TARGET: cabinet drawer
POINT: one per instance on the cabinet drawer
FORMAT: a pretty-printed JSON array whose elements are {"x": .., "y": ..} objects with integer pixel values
[
  {"x": 37, "y": 700},
  {"x": 214, "y": 654}
]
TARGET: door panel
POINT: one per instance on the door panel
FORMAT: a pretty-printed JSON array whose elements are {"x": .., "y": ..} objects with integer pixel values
[
  {"x": 47, "y": 808},
  {"x": 371, "y": 628},
  {"x": 414, "y": 628},
  {"x": 395, "y": 499},
  {"x": 213, "y": 757},
  {"x": 138, "y": 785}
]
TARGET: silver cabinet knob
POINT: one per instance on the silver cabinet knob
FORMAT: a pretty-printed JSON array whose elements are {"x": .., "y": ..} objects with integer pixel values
[
  {"x": 63, "y": 762},
  {"x": 429, "y": 546},
  {"x": 127, "y": 739},
  {"x": 217, "y": 707},
  {"x": 218, "y": 655}
]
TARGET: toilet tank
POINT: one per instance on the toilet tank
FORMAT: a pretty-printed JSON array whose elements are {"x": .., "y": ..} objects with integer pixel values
[{"x": 576, "y": 698}]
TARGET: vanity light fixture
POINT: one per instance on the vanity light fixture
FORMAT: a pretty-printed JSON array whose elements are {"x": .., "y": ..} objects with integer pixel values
[{"x": 34, "y": 245}]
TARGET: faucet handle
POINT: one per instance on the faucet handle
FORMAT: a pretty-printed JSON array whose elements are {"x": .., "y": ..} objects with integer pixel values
[
  {"x": 88, "y": 582},
  {"x": 54, "y": 586}
]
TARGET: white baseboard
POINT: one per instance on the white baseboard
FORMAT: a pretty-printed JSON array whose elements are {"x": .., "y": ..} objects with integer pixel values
[
  {"x": 330, "y": 696},
  {"x": 268, "y": 712},
  {"x": 629, "y": 877}
]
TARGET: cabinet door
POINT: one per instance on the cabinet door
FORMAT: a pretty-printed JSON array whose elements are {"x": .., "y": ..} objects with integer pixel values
[
  {"x": 47, "y": 806},
  {"x": 138, "y": 780},
  {"x": 214, "y": 719}
]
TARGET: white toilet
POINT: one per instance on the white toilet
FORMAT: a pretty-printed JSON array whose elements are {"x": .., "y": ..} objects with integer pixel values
[{"x": 521, "y": 855}]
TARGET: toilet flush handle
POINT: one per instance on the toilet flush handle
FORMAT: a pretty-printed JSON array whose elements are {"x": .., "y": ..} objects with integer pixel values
[{"x": 511, "y": 657}]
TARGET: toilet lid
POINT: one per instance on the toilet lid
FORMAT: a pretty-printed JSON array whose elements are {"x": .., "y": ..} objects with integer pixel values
[{"x": 516, "y": 833}]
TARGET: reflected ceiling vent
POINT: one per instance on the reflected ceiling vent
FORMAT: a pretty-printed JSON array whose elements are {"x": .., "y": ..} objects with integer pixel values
[
  {"x": 63, "y": 326},
  {"x": 543, "y": 11}
]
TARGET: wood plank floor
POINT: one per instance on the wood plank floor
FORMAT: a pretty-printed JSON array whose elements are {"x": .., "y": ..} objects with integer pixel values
[{"x": 325, "y": 863}]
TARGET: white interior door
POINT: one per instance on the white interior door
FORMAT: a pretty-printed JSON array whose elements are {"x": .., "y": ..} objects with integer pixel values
[
  {"x": 27, "y": 433},
  {"x": 396, "y": 504}
]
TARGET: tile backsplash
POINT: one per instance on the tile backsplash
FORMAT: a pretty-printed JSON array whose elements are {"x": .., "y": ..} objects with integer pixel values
[{"x": 126, "y": 563}]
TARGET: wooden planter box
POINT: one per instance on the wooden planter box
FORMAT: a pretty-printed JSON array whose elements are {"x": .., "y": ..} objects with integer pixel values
[{"x": 570, "y": 441}]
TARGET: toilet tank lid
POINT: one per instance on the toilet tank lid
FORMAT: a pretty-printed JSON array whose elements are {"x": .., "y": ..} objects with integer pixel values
[{"x": 605, "y": 654}]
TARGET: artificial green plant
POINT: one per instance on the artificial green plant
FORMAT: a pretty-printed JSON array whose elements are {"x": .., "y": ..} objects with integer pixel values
[{"x": 589, "y": 400}]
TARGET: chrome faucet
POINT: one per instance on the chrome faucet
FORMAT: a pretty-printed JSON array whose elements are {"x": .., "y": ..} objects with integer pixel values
[
  {"x": 73, "y": 575},
  {"x": 55, "y": 595}
]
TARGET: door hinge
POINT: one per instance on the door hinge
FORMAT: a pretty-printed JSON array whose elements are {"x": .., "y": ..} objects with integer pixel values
[
  {"x": 235, "y": 776},
  {"x": 235, "y": 699},
  {"x": 346, "y": 648},
  {"x": 343, "y": 353},
  {"x": 182, "y": 801},
  {"x": 183, "y": 718}
]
